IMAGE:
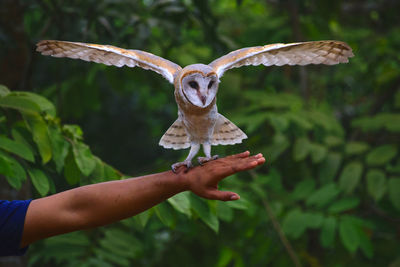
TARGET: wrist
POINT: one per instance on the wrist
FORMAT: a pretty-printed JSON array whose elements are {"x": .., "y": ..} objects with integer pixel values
[{"x": 182, "y": 180}]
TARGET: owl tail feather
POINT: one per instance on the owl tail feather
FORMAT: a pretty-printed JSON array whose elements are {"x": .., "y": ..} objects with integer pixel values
[
  {"x": 175, "y": 137},
  {"x": 226, "y": 133}
]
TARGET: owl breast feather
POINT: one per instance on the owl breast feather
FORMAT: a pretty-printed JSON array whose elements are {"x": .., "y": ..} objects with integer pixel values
[{"x": 200, "y": 128}]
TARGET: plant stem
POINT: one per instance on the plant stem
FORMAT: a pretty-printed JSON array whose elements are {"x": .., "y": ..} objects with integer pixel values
[{"x": 278, "y": 228}]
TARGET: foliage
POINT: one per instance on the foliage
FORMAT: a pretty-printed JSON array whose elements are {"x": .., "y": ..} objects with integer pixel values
[
  {"x": 33, "y": 143},
  {"x": 330, "y": 133}
]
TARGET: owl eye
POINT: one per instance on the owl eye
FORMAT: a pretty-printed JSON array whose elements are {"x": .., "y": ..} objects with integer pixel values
[
  {"x": 194, "y": 85},
  {"x": 210, "y": 84}
]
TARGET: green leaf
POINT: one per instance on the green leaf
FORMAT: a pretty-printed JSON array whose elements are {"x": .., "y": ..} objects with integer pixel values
[
  {"x": 16, "y": 148},
  {"x": 28, "y": 102},
  {"x": 258, "y": 189},
  {"x": 74, "y": 239},
  {"x": 344, "y": 204},
  {"x": 365, "y": 243},
  {"x": 314, "y": 219},
  {"x": 350, "y": 176},
  {"x": 97, "y": 175},
  {"x": 240, "y": 204},
  {"x": 71, "y": 171},
  {"x": 376, "y": 184},
  {"x": 67, "y": 246},
  {"x": 349, "y": 235},
  {"x": 83, "y": 158},
  {"x": 5, "y": 166},
  {"x": 203, "y": 211},
  {"x": 19, "y": 174},
  {"x": 329, "y": 167},
  {"x": 381, "y": 155},
  {"x": 299, "y": 120},
  {"x": 279, "y": 145},
  {"x": 303, "y": 189},
  {"x": 143, "y": 217},
  {"x": 295, "y": 223},
  {"x": 355, "y": 148},
  {"x": 327, "y": 236},
  {"x": 323, "y": 196},
  {"x": 318, "y": 152},
  {"x": 165, "y": 213},
  {"x": 118, "y": 242},
  {"x": 38, "y": 128},
  {"x": 21, "y": 135},
  {"x": 225, "y": 257},
  {"x": 3, "y": 91},
  {"x": 328, "y": 122},
  {"x": 60, "y": 147},
  {"x": 301, "y": 148},
  {"x": 12, "y": 170},
  {"x": 119, "y": 247},
  {"x": 39, "y": 181},
  {"x": 22, "y": 104},
  {"x": 394, "y": 192},
  {"x": 395, "y": 168},
  {"x": 224, "y": 212},
  {"x": 110, "y": 173},
  {"x": 388, "y": 121},
  {"x": 73, "y": 131},
  {"x": 111, "y": 256},
  {"x": 181, "y": 202},
  {"x": 332, "y": 141},
  {"x": 280, "y": 123}
]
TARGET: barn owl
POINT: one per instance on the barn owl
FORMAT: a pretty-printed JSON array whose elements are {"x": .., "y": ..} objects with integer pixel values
[{"x": 196, "y": 86}]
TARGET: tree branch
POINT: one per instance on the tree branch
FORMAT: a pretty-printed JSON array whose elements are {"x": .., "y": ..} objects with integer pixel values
[{"x": 278, "y": 228}]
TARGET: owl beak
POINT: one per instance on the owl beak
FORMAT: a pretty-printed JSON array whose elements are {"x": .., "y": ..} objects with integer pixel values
[{"x": 203, "y": 99}]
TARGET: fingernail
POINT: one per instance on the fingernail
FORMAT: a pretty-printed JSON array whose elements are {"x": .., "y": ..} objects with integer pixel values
[{"x": 235, "y": 197}]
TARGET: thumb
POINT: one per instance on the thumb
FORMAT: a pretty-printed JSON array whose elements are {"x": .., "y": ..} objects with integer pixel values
[{"x": 222, "y": 195}]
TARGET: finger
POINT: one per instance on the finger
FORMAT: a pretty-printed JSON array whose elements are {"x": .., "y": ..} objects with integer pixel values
[
  {"x": 238, "y": 165},
  {"x": 240, "y": 155},
  {"x": 250, "y": 163},
  {"x": 259, "y": 155},
  {"x": 222, "y": 195},
  {"x": 260, "y": 160}
]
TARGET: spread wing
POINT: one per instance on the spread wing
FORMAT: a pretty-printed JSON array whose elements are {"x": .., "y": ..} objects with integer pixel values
[
  {"x": 318, "y": 52},
  {"x": 109, "y": 55}
]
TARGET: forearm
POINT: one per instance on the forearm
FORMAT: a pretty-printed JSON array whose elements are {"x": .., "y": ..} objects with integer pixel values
[
  {"x": 103, "y": 203},
  {"x": 98, "y": 204}
]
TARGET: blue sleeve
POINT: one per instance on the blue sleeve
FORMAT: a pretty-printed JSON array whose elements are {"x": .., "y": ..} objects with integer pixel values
[{"x": 12, "y": 218}]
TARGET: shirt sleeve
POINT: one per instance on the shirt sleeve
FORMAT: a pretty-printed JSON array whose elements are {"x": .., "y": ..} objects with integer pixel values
[{"x": 12, "y": 218}]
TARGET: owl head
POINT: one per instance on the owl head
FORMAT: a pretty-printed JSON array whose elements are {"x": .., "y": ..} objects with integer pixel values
[{"x": 198, "y": 84}]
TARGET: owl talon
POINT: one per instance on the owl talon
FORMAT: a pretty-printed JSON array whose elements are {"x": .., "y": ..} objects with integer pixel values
[
  {"x": 203, "y": 160},
  {"x": 177, "y": 165}
]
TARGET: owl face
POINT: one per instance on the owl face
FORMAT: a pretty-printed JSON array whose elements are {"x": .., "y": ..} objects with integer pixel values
[{"x": 200, "y": 87}]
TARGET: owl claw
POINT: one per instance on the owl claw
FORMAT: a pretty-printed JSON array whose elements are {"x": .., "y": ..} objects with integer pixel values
[
  {"x": 177, "y": 165},
  {"x": 203, "y": 160}
]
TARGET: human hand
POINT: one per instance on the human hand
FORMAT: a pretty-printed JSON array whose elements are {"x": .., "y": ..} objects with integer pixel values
[{"x": 203, "y": 180}]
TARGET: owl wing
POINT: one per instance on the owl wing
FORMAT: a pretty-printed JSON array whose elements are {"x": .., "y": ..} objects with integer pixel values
[
  {"x": 109, "y": 55},
  {"x": 226, "y": 133},
  {"x": 175, "y": 137},
  {"x": 317, "y": 52}
]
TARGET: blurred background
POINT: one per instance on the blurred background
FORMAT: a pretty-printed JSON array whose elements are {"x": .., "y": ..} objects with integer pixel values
[{"x": 330, "y": 192}]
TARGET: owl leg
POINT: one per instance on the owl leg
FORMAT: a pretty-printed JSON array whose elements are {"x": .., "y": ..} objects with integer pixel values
[
  {"x": 188, "y": 161},
  {"x": 207, "y": 152}
]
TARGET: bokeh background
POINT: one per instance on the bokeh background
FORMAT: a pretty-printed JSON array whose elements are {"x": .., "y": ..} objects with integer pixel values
[{"x": 330, "y": 192}]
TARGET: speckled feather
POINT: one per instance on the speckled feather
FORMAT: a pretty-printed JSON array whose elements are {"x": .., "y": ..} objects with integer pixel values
[
  {"x": 317, "y": 52},
  {"x": 110, "y": 55}
]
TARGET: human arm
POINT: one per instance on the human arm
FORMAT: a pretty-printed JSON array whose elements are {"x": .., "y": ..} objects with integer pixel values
[{"x": 103, "y": 203}]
